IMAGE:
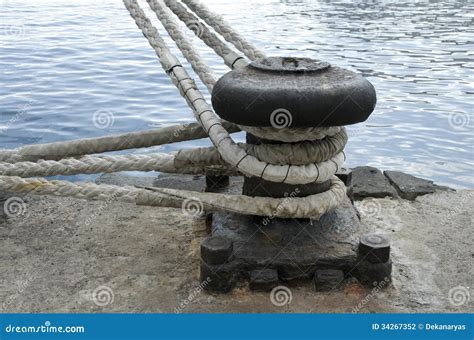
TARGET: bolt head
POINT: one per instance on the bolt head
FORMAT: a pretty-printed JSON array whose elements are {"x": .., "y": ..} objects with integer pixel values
[
  {"x": 216, "y": 250},
  {"x": 374, "y": 248}
]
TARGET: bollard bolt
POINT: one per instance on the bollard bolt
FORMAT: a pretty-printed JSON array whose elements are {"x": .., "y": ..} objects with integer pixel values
[
  {"x": 216, "y": 250},
  {"x": 373, "y": 273},
  {"x": 374, "y": 248}
]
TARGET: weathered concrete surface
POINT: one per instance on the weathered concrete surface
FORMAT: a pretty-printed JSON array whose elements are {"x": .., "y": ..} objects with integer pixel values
[
  {"x": 368, "y": 181},
  {"x": 410, "y": 187},
  {"x": 61, "y": 250}
]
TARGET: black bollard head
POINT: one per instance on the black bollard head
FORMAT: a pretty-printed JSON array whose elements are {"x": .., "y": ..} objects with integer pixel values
[{"x": 293, "y": 92}]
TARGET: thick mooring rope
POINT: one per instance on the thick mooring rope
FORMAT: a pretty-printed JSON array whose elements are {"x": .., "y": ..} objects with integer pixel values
[
  {"x": 190, "y": 53},
  {"x": 231, "y": 59},
  {"x": 308, "y": 207},
  {"x": 186, "y": 161},
  {"x": 132, "y": 140},
  {"x": 218, "y": 23},
  {"x": 314, "y": 160},
  {"x": 234, "y": 155}
]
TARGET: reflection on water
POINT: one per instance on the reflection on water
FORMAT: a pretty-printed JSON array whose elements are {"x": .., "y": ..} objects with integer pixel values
[{"x": 61, "y": 63}]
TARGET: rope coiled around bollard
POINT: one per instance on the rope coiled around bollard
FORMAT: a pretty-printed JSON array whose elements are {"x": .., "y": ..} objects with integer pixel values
[{"x": 315, "y": 159}]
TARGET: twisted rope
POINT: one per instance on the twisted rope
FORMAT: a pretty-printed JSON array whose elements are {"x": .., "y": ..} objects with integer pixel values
[
  {"x": 231, "y": 58},
  {"x": 186, "y": 161},
  {"x": 308, "y": 207},
  {"x": 165, "y": 16},
  {"x": 133, "y": 140},
  {"x": 234, "y": 155},
  {"x": 218, "y": 23},
  {"x": 284, "y": 163}
]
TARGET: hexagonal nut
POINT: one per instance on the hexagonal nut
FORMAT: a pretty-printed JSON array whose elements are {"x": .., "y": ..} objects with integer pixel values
[
  {"x": 373, "y": 273},
  {"x": 374, "y": 248},
  {"x": 219, "y": 278},
  {"x": 216, "y": 250}
]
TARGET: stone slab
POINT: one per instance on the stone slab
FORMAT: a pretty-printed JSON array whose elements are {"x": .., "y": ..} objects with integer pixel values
[
  {"x": 368, "y": 181},
  {"x": 410, "y": 187}
]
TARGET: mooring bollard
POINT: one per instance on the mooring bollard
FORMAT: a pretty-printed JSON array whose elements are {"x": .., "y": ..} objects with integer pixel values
[
  {"x": 289, "y": 93},
  {"x": 301, "y": 105}
]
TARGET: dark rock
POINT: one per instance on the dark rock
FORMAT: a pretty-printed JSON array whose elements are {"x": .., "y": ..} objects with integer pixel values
[
  {"x": 368, "y": 181},
  {"x": 410, "y": 187},
  {"x": 374, "y": 248},
  {"x": 345, "y": 175},
  {"x": 293, "y": 92},
  {"x": 328, "y": 279},
  {"x": 216, "y": 250},
  {"x": 373, "y": 273},
  {"x": 263, "y": 279}
]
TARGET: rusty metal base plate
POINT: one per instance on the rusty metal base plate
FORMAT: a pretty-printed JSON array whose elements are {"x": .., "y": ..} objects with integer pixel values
[{"x": 293, "y": 248}]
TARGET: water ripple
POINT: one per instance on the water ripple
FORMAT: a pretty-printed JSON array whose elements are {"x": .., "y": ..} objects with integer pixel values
[{"x": 61, "y": 63}]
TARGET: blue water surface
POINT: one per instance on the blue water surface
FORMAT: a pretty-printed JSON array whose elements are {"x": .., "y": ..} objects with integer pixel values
[{"x": 61, "y": 62}]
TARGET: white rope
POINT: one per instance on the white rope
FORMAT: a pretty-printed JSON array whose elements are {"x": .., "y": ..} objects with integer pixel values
[
  {"x": 165, "y": 16},
  {"x": 231, "y": 59},
  {"x": 185, "y": 161},
  {"x": 307, "y": 207},
  {"x": 217, "y": 22},
  {"x": 286, "y": 163},
  {"x": 133, "y": 140},
  {"x": 234, "y": 155}
]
